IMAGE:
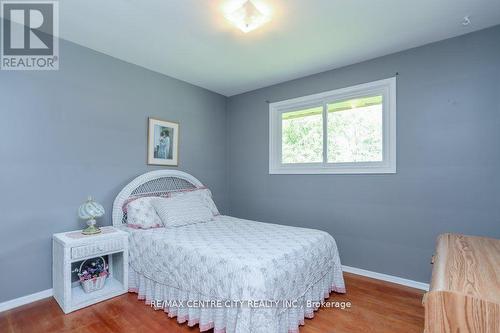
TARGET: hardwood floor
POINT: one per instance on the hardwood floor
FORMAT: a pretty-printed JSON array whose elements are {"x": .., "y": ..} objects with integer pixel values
[{"x": 377, "y": 306}]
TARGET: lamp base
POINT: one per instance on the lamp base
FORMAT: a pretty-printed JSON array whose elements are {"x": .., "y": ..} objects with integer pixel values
[{"x": 91, "y": 230}]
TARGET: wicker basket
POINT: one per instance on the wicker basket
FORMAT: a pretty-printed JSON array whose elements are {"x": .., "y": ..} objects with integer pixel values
[{"x": 94, "y": 284}]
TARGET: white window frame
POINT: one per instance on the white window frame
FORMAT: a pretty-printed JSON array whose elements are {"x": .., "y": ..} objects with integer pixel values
[{"x": 386, "y": 88}]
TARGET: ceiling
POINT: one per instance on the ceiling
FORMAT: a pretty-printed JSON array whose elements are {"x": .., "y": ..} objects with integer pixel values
[{"x": 190, "y": 40}]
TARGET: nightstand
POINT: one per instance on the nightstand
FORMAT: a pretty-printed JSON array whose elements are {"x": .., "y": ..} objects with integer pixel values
[{"x": 69, "y": 249}]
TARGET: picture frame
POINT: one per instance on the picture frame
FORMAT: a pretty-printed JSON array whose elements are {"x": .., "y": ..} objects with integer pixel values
[{"x": 163, "y": 142}]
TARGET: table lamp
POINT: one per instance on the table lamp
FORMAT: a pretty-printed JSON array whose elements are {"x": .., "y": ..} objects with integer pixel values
[{"x": 89, "y": 211}]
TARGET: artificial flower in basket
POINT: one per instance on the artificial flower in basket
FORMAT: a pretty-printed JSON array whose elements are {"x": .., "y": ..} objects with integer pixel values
[{"x": 93, "y": 276}]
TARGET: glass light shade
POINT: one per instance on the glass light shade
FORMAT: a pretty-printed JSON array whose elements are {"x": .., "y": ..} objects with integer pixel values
[
  {"x": 90, "y": 210},
  {"x": 248, "y": 17}
]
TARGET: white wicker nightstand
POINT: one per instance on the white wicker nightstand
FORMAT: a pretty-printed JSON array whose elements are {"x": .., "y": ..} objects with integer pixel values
[{"x": 69, "y": 249}]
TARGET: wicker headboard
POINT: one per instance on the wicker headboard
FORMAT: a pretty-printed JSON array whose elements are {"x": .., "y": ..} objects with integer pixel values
[{"x": 152, "y": 183}]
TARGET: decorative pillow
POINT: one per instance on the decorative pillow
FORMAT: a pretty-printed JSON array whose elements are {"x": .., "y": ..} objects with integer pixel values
[
  {"x": 203, "y": 193},
  {"x": 142, "y": 215},
  {"x": 182, "y": 210}
]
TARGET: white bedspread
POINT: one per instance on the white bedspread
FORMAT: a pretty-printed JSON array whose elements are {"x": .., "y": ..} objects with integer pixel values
[{"x": 238, "y": 260}]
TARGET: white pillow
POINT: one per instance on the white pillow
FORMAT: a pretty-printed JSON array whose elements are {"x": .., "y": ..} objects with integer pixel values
[
  {"x": 182, "y": 210},
  {"x": 203, "y": 193},
  {"x": 142, "y": 215}
]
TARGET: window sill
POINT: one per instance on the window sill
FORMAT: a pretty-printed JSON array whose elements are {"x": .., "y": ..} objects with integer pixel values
[{"x": 296, "y": 170}]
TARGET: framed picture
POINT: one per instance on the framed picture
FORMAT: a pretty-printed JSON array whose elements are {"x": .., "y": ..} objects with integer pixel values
[{"x": 163, "y": 142}]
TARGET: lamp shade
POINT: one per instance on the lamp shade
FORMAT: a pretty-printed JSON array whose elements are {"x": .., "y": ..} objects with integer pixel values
[{"x": 90, "y": 210}]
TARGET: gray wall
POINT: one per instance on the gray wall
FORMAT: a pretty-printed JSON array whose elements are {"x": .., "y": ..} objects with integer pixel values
[
  {"x": 82, "y": 130},
  {"x": 448, "y": 158}
]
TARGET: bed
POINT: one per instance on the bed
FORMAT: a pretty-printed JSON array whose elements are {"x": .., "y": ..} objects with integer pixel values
[{"x": 229, "y": 274}]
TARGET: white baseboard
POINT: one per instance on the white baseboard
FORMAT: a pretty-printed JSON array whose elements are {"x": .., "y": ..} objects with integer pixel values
[
  {"x": 385, "y": 277},
  {"x": 14, "y": 303}
]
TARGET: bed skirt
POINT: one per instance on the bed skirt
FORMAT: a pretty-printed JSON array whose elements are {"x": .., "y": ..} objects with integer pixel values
[{"x": 232, "y": 319}]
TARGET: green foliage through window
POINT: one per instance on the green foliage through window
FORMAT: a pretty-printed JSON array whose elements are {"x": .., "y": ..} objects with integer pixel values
[
  {"x": 354, "y": 132},
  {"x": 302, "y": 135}
]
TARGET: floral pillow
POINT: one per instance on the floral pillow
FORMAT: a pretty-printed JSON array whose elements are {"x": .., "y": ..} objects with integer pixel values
[
  {"x": 203, "y": 193},
  {"x": 142, "y": 215}
]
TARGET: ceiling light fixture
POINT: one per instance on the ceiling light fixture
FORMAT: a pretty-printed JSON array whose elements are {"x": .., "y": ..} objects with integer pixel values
[{"x": 247, "y": 17}]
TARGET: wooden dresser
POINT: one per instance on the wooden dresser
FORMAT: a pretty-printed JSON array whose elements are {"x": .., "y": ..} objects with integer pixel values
[{"x": 464, "y": 294}]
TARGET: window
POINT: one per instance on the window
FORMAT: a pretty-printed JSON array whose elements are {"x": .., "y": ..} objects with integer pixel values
[{"x": 349, "y": 130}]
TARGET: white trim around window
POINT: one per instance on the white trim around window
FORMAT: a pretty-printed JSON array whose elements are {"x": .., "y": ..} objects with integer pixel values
[{"x": 386, "y": 88}]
